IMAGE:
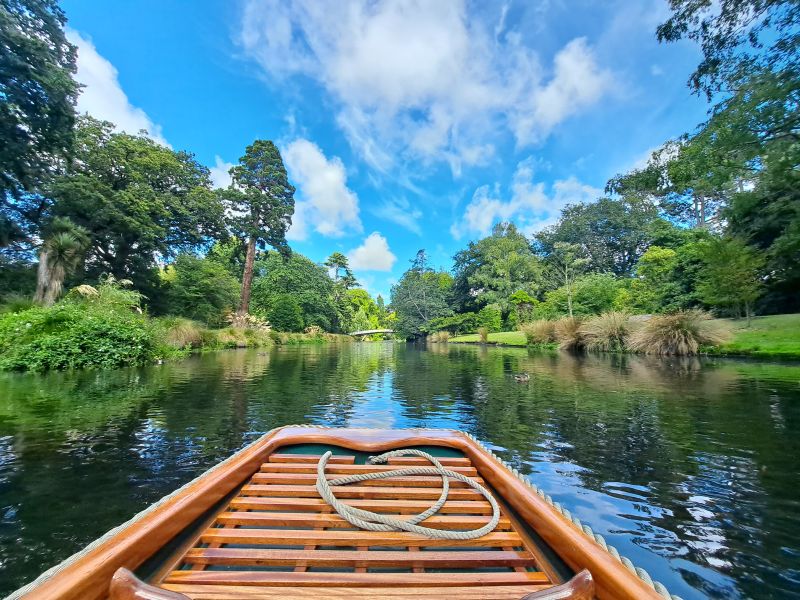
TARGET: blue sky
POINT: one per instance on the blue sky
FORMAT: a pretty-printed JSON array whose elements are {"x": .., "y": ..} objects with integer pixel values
[{"x": 403, "y": 124}]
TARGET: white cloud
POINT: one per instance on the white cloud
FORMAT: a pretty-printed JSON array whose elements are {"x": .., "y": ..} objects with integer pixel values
[
  {"x": 219, "y": 173},
  {"x": 530, "y": 206},
  {"x": 325, "y": 203},
  {"x": 401, "y": 212},
  {"x": 103, "y": 96},
  {"x": 372, "y": 255},
  {"x": 421, "y": 80}
]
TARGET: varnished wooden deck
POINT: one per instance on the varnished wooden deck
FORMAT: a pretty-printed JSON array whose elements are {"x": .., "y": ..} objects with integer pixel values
[{"x": 277, "y": 539}]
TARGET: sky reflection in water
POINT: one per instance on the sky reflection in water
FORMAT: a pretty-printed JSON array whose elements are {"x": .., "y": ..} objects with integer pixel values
[{"x": 689, "y": 467}]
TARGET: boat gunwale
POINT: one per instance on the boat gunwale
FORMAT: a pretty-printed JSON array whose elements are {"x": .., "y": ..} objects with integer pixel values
[{"x": 87, "y": 574}]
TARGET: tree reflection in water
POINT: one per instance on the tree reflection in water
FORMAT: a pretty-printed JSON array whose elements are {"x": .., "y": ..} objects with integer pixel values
[{"x": 688, "y": 466}]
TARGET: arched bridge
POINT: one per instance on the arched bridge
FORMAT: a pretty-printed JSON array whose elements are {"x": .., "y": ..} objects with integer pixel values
[{"x": 370, "y": 332}]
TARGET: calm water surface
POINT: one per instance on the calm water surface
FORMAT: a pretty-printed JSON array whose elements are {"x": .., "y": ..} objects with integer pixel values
[{"x": 691, "y": 468}]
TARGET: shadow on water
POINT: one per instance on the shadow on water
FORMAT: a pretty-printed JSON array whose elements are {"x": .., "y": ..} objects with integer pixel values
[{"x": 688, "y": 466}]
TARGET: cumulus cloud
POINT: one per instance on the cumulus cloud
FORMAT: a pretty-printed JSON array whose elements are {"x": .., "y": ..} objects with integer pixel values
[
  {"x": 422, "y": 80},
  {"x": 372, "y": 255},
  {"x": 220, "y": 176},
  {"x": 324, "y": 202},
  {"x": 530, "y": 205},
  {"x": 103, "y": 96}
]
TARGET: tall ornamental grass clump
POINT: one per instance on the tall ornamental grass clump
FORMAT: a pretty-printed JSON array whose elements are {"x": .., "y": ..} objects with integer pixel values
[
  {"x": 567, "y": 331},
  {"x": 541, "y": 331},
  {"x": 607, "y": 332},
  {"x": 679, "y": 333},
  {"x": 483, "y": 334},
  {"x": 439, "y": 336}
]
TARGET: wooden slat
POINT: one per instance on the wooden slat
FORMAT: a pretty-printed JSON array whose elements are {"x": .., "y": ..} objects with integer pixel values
[
  {"x": 290, "y": 519},
  {"x": 308, "y": 479},
  {"x": 243, "y": 592},
  {"x": 288, "y": 537},
  {"x": 310, "y": 458},
  {"x": 346, "y": 469},
  {"x": 397, "y": 460},
  {"x": 415, "y": 580},
  {"x": 418, "y": 460},
  {"x": 358, "y": 491},
  {"x": 383, "y": 506},
  {"x": 334, "y": 558}
]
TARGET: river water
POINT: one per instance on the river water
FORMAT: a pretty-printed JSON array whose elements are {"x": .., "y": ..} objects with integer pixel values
[{"x": 689, "y": 467}]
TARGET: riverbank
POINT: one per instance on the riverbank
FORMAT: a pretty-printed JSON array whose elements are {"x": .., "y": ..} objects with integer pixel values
[
  {"x": 106, "y": 328},
  {"x": 772, "y": 336}
]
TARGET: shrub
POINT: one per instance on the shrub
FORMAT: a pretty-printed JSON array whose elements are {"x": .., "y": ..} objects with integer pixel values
[
  {"x": 567, "y": 332},
  {"x": 607, "y": 332},
  {"x": 68, "y": 335},
  {"x": 314, "y": 330},
  {"x": 490, "y": 317},
  {"x": 679, "y": 333},
  {"x": 483, "y": 332},
  {"x": 286, "y": 314},
  {"x": 457, "y": 324},
  {"x": 200, "y": 289},
  {"x": 538, "y": 332}
]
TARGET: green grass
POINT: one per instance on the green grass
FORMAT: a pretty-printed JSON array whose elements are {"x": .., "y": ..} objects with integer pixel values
[
  {"x": 772, "y": 336},
  {"x": 506, "y": 338}
]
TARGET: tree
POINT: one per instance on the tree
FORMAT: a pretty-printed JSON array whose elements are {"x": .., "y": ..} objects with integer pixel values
[
  {"x": 261, "y": 193},
  {"x": 732, "y": 275},
  {"x": 296, "y": 276},
  {"x": 286, "y": 314},
  {"x": 60, "y": 253},
  {"x": 420, "y": 296},
  {"x": 140, "y": 202},
  {"x": 612, "y": 233},
  {"x": 200, "y": 289},
  {"x": 735, "y": 36},
  {"x": 564, "y": 265},
  {"x": 340, "y": 270},
  {"x": 492, "y": 269},
  {"x": 37, "y": 96}
]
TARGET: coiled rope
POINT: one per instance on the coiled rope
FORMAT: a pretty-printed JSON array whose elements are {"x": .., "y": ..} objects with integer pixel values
[{"x": 371, "y": 521}]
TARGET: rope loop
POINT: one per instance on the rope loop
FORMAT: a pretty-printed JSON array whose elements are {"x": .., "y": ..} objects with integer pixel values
[{"x": 372, "y": 521}]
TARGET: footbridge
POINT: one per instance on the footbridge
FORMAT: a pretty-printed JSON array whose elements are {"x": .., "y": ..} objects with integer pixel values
[{"x": 370, "y": 332}]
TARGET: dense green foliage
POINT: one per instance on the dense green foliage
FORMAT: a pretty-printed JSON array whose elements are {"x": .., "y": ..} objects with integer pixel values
[
  {"x": 307, "y": 283},
  {"x": 201, "y": 289},
  {"x": 138, "y": 200},
  {"x": 37, "y": 105},
  {"x": 102, "y": 327},
  {"x": 420, "y": 297}
]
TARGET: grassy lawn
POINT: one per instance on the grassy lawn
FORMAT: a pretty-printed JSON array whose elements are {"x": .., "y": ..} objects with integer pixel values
[
  {"x": 774, "y": 335},
  {"x": 506, "y": 338}
]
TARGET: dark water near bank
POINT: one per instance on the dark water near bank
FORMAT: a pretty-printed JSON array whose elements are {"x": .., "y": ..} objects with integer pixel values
[{"x": 691, "y": 468}]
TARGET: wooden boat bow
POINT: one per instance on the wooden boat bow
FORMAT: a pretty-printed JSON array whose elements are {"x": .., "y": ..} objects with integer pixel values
[{"x": 255, "y": 508}]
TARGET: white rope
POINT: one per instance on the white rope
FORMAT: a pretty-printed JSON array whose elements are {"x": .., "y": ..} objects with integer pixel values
[{"x": 371, "y": 521}]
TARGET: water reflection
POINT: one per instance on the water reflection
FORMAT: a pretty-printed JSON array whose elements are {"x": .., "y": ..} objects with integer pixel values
[{"x": 687, "y": 466}]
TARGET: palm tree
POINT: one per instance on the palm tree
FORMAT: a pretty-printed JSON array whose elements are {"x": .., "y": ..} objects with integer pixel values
[{"x": 61, "y": 252}]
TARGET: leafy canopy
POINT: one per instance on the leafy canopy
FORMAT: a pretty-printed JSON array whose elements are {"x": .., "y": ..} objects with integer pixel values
[{"x": 37, "y": 94}]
